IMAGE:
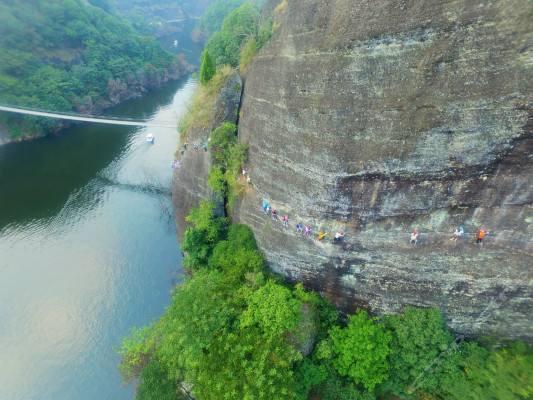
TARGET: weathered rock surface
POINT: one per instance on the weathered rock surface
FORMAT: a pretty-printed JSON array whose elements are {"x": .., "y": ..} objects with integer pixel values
[
  {"x": 189, "y": 185},
  {"x": 379, "y": 117}
]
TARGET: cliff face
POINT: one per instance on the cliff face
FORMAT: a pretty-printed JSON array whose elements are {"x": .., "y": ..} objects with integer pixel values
[
  {"x": 376, "y": 118},
  {"x": 189, "y": 181}
]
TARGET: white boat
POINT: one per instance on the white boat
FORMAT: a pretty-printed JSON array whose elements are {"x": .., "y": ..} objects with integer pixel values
[{"x": 150, "y": 138}]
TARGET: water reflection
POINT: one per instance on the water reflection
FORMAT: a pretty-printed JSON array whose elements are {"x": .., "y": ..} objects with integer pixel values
[{"x": 87, "y": 251}]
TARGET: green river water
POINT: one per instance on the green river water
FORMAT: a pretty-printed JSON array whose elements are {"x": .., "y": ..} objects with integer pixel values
[{"x": 88, "y": 250}]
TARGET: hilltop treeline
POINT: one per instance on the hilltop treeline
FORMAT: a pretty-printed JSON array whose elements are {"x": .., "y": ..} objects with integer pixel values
[{"x": 66, "y": 55}]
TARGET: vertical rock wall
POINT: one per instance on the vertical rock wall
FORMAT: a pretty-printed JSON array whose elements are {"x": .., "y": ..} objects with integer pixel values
[
  {"x": 378, "y": 117},
  {"x": 189, "y": 184}
]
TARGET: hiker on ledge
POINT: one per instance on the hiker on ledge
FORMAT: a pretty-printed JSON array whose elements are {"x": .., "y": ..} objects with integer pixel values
[
  {"x": 414, "y": 238},
  {"x": 339, "y": 236},
  {"x": 285, "y": 220},
  {"x": 299, "y": 228},
  {"x": 321, "y": 235},
  {"x": 458, "y": 234},
  {"x": 480, "y": 235}
]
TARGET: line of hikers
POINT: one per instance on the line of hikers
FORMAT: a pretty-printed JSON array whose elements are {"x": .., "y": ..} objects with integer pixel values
[
  {"x": 458, "y": 234},
  {"x": 303, "y": 229},
  {"x": 307, "y": 231}
]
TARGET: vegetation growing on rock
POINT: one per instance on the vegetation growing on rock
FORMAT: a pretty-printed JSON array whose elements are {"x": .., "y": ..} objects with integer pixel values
[
  {"x": 70, "y": 55},
  {"x": 207, "y": 68},
  {"x": 231, "y": 333},
  {"x": 228, "y": 157},
  {"x": 202, "y": 107},
  {"x": 234, "y": 331}
]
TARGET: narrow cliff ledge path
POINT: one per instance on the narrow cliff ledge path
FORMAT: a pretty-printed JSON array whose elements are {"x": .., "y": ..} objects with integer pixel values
[{"x": 377, "y": 118}]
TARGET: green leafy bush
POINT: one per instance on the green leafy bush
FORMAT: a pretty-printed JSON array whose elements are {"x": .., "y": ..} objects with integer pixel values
[
  {"x": 248, "y": 52},
  {"x": 228, "y": 158},
  {"x": 502, "y": 374},
  {"x": 200, "y": 238},
  {"x": 361, "y": 350},
  {"x": 225, "y": 45},
  {"x": 207, "y": 67},
  {"x": 418, "y": 337},
  {"x": 154, "y": 383}
]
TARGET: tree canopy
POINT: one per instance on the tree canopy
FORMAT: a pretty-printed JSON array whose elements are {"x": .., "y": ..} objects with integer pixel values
[{"x": 68, "y": 55}]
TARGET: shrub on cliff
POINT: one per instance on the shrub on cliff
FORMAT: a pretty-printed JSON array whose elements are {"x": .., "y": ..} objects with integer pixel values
[
  {"x": 248, "y": 52},
  {"x": 207, "y": 67},
  {"x": 228, "y": 157},
  {"x": 201, "y": 110},
  {"x": 200, "y": 238}
]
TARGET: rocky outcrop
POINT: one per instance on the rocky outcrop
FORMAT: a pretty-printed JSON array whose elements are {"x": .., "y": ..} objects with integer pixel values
[
  {"x": 189, "y": 183},
  {"x": 376, "y": 118}
]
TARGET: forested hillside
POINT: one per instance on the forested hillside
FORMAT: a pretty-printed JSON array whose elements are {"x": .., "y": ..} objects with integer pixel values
[{"x": 65, "y": 55}]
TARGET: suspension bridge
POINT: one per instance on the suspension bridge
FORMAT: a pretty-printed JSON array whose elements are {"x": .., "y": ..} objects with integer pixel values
[{"x": 90, "y": 118}]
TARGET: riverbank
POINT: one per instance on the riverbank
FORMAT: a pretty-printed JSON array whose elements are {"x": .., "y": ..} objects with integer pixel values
[{"x": 119, "y": 93}]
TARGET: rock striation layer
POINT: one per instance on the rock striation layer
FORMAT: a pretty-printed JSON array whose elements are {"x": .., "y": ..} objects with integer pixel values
[{"x": 376, "y": 118}]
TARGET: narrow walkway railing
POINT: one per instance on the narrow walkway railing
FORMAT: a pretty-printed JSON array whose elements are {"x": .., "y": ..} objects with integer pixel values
[{"x": 89, "y": 118}]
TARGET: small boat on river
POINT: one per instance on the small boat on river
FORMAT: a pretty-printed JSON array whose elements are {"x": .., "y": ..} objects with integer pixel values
[{"x": 150, "y": 138}]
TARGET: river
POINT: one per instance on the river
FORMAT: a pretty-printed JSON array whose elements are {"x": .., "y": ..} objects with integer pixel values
[{"x": 88, "y": 250}]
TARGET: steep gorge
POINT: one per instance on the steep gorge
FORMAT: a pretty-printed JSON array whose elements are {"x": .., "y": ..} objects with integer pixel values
[{"x": 376, "y": 118}]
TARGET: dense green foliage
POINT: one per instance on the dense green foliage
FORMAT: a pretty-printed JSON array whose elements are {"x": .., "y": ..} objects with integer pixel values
[
  {"x": 502, "y": 374},
  {"x": 213, "y": 17},
  {"x": 243, "y": 26},
  {"x": 201, "y": 236},
  {"x": 68, "y": 55},
  {"x": 360, "y": 350},
  {"x": 228, "y": 157},
  {"x": 154, "y": 383},
  {"x": 234, "y": 332},
  {"x": 419, "y": 336},
  {"x": 207, "y": 68},
  {"x": 230, "y": 328}
]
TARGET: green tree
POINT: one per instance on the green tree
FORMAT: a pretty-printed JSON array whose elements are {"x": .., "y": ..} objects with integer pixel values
[
  {"x": 205, "y": 230},
  {"x": 273, "y": 309},
  {"x": 360, "y": 350},
  {"x": 207, "y": 67},
  {"x": 221, "y": 141},
  {"x": 418, "y": 337},
  {"x": 503, "y": 374},
  {"x": 154, "y": 383},
  {"x": 225, "y": 45},
  {"x": 213, "y": 17}
]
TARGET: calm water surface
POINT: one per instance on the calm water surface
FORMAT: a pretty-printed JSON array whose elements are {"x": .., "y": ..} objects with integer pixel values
[{"x": 88, "y": 250}]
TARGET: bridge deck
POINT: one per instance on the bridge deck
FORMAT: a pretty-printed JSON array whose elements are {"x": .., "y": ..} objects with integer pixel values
[{"x": 100, "y": 120}]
